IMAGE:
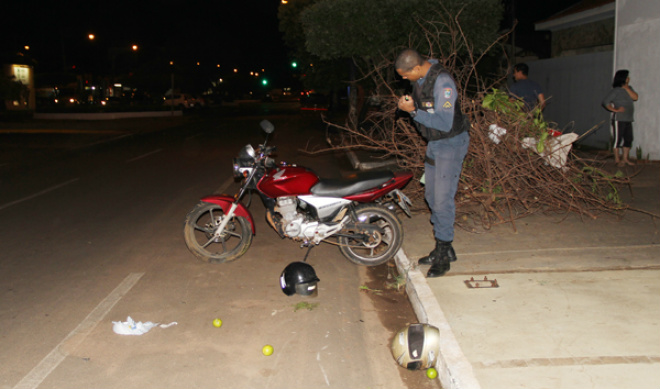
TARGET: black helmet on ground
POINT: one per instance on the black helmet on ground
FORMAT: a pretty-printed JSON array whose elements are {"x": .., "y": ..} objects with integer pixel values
[{"x": 298, "y": 277}]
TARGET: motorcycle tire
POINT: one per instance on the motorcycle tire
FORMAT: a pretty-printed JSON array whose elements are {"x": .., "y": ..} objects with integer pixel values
[
  {"x": 198, "y": 233},
  {"x": 372, "y": 248}
]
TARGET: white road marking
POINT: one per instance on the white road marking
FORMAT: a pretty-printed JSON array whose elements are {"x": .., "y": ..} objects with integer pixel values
[
  {"x": 144, "y": 155},
  {"x": 101, "y": 142},
  {"x": 50, "y": 362},
  {"x": 52, "y": 188},
  {"x": 325, "y": 375}
]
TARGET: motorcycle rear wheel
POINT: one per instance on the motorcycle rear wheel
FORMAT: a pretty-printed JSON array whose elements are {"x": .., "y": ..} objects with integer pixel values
[
  {"x": 373, "y": 248},
  {"x": 199, "y": 227}
]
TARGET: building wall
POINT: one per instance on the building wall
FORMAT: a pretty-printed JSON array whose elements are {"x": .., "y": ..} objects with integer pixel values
[
  {"x": 596, "y": 36},
  {"x": 638, "y": 50},
  {"x": 575, "y": 87}
]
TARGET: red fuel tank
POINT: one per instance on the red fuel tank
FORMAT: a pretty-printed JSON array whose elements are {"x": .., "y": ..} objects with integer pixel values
[{"x": 287, "y": 181}]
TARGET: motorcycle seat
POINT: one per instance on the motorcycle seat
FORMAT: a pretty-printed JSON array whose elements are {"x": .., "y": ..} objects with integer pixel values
[{"x": 355, "y": 183}]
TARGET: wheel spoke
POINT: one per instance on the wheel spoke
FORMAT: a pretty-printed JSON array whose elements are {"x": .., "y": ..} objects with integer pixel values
[
  {"x": 234, "y": 234},
  {"x": 200, "y": 228},
  {"x": 208, "y": 243}
]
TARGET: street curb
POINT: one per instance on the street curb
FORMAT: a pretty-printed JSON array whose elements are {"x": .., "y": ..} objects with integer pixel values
[{"x": 454, "y": 369}]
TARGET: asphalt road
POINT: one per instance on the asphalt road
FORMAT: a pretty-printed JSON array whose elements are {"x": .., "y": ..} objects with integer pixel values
[{"x": 91, "y": 233}]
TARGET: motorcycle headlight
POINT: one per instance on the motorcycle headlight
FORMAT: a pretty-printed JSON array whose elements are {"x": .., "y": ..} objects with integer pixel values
[
  {"x": 247, "y": 153},
  {"x": 243, "y": 163}
]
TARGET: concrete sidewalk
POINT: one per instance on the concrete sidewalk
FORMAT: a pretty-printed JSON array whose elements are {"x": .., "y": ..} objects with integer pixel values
[{"x": 577, "y": 303}]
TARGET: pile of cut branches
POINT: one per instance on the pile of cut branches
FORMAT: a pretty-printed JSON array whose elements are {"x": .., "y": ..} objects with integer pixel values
[
  {"x": 503, "y": 178},
  {"x": 511, "y": 170}
]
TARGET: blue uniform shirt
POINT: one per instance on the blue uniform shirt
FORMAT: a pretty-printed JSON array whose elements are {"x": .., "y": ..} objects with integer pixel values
[{"x": 444, "y": 92}]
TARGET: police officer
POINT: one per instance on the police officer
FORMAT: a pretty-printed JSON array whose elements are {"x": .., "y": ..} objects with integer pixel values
[{"x": 436, "y": 111}]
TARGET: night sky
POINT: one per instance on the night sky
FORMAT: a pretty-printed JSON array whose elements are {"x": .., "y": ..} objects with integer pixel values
[
  {"x": 232, "y": 33},
  {"x": 528, "y": 12}
]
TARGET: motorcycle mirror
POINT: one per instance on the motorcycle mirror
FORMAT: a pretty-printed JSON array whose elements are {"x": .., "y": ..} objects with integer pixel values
[{"x": 267, "y": 126}]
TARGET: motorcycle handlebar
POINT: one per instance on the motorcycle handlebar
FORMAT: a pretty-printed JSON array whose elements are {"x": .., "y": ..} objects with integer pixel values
[{"x": 270, "y": 149}]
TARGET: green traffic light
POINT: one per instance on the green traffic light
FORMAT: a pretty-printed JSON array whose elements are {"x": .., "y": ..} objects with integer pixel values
[
  {"x": 294, "y": 64},
  {"x": 264, "y": 82}
]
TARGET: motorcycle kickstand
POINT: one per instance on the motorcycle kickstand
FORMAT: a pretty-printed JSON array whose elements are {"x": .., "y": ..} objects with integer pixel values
[{"x": 309, "y": 248}]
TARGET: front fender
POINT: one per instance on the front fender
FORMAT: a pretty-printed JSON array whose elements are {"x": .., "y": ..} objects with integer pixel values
[{"x": 225, "y": 203}]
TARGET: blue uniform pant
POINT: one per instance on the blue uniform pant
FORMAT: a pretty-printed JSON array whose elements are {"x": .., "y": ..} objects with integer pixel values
[{"x": 442, "y": 181}]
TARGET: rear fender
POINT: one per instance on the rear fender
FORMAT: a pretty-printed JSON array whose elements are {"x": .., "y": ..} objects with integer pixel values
[{"x": 225, "y": 203}]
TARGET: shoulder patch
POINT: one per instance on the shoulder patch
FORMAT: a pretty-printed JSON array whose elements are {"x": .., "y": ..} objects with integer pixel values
[
  {"x": 446, "y": 105},
  {"x": 447, "y": 92}
]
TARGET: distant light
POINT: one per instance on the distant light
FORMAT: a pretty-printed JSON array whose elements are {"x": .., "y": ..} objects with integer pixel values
[
  {"x": 91, "y": 37},
  {"x": 285, "y": 2},
  {"x": 171, "y": 62},
  {"x": 218, "y": 65},
  {"x": 264, "y": 82},
  {"x": 235, "y": 70},
  {"x": 294, "y": 64},
  {"x": 26, "y": 47},
  {"x": 134, "y": 47},
  {"x": 197, "y": 63}
]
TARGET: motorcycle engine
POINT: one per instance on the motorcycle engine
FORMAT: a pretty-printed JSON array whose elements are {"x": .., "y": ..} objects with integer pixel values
[
  {"x": 299, "y": 226},
  {"x": 292, "y": 220}
]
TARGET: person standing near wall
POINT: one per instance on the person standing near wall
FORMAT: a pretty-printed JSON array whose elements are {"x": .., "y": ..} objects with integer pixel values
[
  {"x": 620, "y": 101},
  {"x": 530, "y": 92}
]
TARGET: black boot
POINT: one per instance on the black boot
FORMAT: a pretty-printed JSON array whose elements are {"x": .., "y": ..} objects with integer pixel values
[
  {"x": 438, "y": 268},
  {"x": 442, "y": 249}
]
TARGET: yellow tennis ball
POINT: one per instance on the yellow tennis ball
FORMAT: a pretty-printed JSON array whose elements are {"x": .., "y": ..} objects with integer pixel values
[
  {"x": 431, "y": 373},
  {"x": 217, "y": 323},
  {"x": 267, "y": 350}
]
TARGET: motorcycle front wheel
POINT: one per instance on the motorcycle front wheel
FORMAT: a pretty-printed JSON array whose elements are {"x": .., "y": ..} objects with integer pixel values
[
  {"x": 374, "y": 238},
  {"x": 198, "y": 231}
]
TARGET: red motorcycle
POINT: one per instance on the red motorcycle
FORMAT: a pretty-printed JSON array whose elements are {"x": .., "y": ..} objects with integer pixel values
[{"x": 356, "y": 213}]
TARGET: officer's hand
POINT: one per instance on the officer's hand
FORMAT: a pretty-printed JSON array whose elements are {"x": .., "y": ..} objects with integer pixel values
[{"x": 406, "y": 103}]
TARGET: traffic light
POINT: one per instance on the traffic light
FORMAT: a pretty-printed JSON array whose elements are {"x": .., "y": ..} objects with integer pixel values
[
  {"x": 264, "y": 82},
  {"x": 294, "y": 64}
]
